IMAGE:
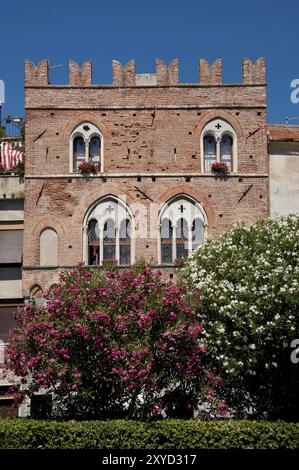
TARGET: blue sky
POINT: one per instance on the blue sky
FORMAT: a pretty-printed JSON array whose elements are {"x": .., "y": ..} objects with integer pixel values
[{"x": 187, "y": 29}]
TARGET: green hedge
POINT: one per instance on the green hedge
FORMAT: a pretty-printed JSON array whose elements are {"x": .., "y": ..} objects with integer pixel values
[{"x": 168, "y": 434}]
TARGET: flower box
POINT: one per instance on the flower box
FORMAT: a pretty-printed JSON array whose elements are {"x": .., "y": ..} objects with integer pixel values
[
  {"x": 219, "y": 168},
  {"x": 88, "y": 168}
]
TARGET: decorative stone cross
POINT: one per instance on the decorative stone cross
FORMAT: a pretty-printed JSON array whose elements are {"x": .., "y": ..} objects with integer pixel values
[
  {"x": 110, "y": 209},
  {"x": 182, "y": 208},
  {"x": 218, "y": 126}
]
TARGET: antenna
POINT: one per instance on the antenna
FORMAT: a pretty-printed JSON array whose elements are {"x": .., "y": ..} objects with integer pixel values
[
  {"x": 2, "y": 93},
  {"x": 2, "y": 96},
  {"x": 291, "y": 119},
  {"x": 55, "y": 66}
]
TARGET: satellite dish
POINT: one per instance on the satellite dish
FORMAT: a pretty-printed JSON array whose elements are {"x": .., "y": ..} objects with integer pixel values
[{"x": 2, "y": 93}]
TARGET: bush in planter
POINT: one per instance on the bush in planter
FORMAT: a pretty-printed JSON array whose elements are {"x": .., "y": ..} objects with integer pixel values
[
  {"x": 115, "y": 344},
  {"x": 249, "y": 304},
  {"x": 219, "y": 168},
  {"x": 87, "y": 168}
]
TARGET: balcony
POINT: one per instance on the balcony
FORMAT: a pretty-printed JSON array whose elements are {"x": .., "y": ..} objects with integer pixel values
[
  {"x": 11, "y": 187},
  {"x": 12, "y": 128}
]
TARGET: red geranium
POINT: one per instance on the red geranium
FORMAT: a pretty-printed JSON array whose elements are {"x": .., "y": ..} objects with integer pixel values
[
  {"x": 87, "y": 168},
  {"x": 220, "y": 167}
]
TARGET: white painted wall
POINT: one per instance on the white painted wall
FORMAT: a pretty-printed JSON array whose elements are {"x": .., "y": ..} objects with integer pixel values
[
  {"x": 11, "y": 289},
  {"x": 284, "y": 178}
]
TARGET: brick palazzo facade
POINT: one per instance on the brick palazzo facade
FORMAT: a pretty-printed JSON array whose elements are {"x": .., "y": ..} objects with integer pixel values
[{"x": 154, "y": 140}]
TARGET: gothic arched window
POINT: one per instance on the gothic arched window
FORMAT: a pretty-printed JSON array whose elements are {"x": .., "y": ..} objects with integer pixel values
[
  {"x": 109, "y": 241},
  {"x": 182, "y": 228},
  {"x": 181, "y": 236},
  {"x": 198, "y": 232},
  {"x": 95, "y": 149},
  {"x": 108, "y": 233},
  {"x": 125, "y": 242},
  {"x": 86, "y": 144},
  {"x": 226, "y": 150},
  {"x": 210, "y": 155},
  {"x": 218, "y": 144},
  {"x": 166, "y": 241},
  {"x": 93, "y": 242},
  {"x": 78, "y": 152}
]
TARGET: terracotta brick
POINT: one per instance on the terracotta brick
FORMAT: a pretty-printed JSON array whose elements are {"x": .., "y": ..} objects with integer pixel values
[{"x": 80, "y": 76}]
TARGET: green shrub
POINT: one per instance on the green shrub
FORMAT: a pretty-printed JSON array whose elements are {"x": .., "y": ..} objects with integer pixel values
[{"x": 168, "y": 434}]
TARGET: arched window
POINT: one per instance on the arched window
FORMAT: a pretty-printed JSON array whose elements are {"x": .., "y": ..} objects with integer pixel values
[
  {"x": 125, "y": 243},
  {"x": 108, "y": 233},
  {"x": 109, "y": 251},
  {"x": 78, "y": 152},
  {"x": 166, "y": 241},
  {"x": 181, "y": 239},
  {"x": 198, "y": 231},
  {"x": 219, "y": 144},
  {"x": 48, "y": 247},
  {"x": 210, "y": 155},
  {"x": 93, "y": 242},
  {"x": 86, "y": 144},
  {"x": 95, "y": 149},
  {"x": 226, "y": 150},
  {"x": 183, "y": 225}
]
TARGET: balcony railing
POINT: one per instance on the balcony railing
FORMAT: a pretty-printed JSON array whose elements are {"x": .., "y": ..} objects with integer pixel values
[{"x": 12, "y": 128}]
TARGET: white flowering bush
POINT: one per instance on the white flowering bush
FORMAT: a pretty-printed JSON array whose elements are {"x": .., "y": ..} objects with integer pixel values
[{"x": 248, "y": 279}]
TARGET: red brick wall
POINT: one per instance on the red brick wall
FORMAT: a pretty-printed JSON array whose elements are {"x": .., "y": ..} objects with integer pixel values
[{"x": 153, "y": 131}]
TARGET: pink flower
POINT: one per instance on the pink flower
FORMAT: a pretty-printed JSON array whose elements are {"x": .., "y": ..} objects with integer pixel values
[
  {"x": 222, "y": 405},
  {"x": 120, "y": 326}
]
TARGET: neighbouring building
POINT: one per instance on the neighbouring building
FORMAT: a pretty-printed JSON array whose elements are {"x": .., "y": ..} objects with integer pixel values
[
  {"x": 283, "y": 169},
  {"x": 11, "y": 254}
]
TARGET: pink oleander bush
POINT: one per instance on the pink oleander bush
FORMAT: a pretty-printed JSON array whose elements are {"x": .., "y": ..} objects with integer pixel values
[{"x": 115, "y": 344}]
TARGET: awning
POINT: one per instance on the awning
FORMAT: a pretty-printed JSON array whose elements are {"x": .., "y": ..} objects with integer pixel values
[{"x": 11, "y": 246}]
